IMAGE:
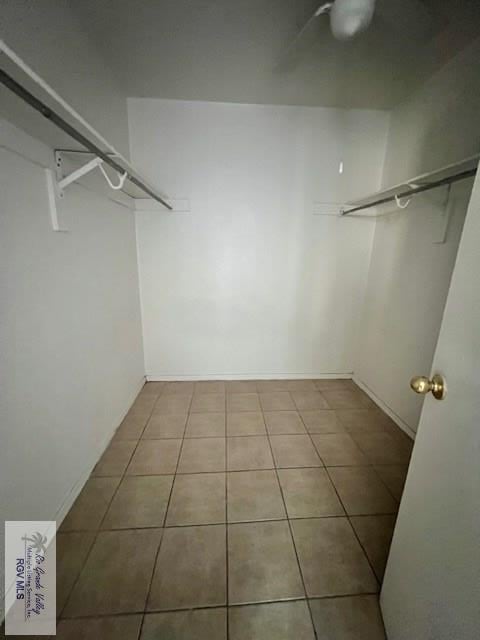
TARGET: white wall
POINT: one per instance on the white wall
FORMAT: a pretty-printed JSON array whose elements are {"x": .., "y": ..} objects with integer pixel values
[
  {"x": 250, "y": 283},
  {"x": 409, "y": 274},
  {"x": 70, "y": 337}
]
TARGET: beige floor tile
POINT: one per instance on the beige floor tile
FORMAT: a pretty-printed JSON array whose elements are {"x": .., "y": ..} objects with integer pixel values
[
  {"x": 131, "y": 428},
  {"x": 202, "y": 455},
  {"x": 210, "y": 386},
  {"x": 91, "y": 505},
  {"x": 347, "y": 399},
  {"x": 336, "y": 449},
  {"x": 175, "y": 403},
  {"x": 196, "y": 624},
  {"x": 352, "y": 618},
  {"x": 273, "y": 621},
  {"x": 309, "y": 493},
  {"x": 277, "y": 401},
  {"x": 262, "y": 564},
  {"x": 399, "y": 435},
  {"x": 248, "y": 452},
  {"x": 294, "y": 451},
  {"x": 284, "y": 422},
  {"x": 361, "y": 491},
  {"x": 180, "y": 387},
  {"x": 204, "y": 425},
  {"x": 117, "y": 574},
  {"x": 152, "y": 388},
  {"x": 322, "y": 421},
  {"x": 307, "y": 400},
  {"x": 334, "y": 384},
  {"x": 165, "y": 426},
  {"x": 143, "y": 404},
  {"x": 254, "y": 495},
  {"x": 245, "y": 423},
  {"x": 267, "y": 386},
  {"x": 382, "y": 448},
  {"x": 375, "y": 534},
  {"x": 331, "y": 558},
  {"x": 362, "y": 420},
  {"x": 241, "y": 386},
  {"x": 153, "y": 457},
  {"x": 208, "y": 402},
  {"x": 141, "y": 501},
  {"x": 197, "y": 499},
  {"x": 191, "y": 569},
  {"x": 139, "y": 413},
  {"x": 105, "y": 628},
  {"x": 72, "y": 551},
  {"x": 394, "y": 476},
  {"x": 301, "y": 385},
  {"x": 115, "y": 459},
  {"x": 242, "y": 402}
]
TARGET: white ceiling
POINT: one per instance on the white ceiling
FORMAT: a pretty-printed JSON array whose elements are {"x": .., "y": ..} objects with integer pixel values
[{"x": 227, "y": 50}]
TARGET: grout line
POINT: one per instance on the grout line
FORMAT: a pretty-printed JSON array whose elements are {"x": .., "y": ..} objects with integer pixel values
[
  {"x": 354, "y": 531},
  {"x": 154, "y": 566},
  {"x": 291, "y": 535},
  {"x": 345, "y": 509},
  {"x": 217, "y": 606},
  {"x": 397, "y": 501},
  {"x": 227, "y": 575},
  {"x": 212, "y": 524}
]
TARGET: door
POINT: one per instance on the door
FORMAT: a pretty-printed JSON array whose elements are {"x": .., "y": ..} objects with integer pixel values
[{"x": 431, "y": 589}]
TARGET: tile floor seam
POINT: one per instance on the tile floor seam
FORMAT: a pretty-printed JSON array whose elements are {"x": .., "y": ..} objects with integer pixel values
[
  {"x": 99, "y": 530},
  {"x": 356, "y": 535},
  {"x": 292, "y": 537},
  {"x": 260, "y": 520},
  {"x": 385, "y": 484},
  {"x": 216, "y": 606},
  {"x": 154, "y": 566},
  {"x": 227, "y": 595},
  {"x": 346, "y": 513}
]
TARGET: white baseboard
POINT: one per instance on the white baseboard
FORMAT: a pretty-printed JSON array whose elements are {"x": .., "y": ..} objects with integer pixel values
[
  {"x": 390, "y": 413},
  {"x": 249, "y": 376}
]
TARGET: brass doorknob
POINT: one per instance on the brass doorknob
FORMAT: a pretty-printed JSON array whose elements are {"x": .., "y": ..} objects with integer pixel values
[{"x": 437, "y": 385}]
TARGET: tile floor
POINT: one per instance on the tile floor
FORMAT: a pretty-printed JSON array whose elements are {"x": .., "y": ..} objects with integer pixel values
[{"x": 243, "y": 510}]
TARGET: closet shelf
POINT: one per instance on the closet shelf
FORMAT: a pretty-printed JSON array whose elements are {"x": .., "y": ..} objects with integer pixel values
[
  {"x": 402, "y": 192},
  {"x": 45, "y": 104}
]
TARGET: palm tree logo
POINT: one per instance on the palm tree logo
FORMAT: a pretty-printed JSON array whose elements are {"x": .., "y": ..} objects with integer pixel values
[{"x": 37, "y": 541}]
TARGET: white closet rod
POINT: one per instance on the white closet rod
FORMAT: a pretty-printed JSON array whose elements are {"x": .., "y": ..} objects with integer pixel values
[
  {"x": 462, "y": 175},
  {"x": 117, "y": 161}
]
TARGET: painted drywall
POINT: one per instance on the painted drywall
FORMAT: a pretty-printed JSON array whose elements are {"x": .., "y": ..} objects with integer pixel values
[
  {"x": 70, "y": 338},
  {"x": 410, "y": 274},
  {"x": 50, "y": 38},
  {"x": 249, "y": 282}
]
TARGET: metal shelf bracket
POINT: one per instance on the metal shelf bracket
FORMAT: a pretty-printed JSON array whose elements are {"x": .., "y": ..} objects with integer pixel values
[
  {"x": 57, "y": 183},
  {"x": 64, "y": 181}
]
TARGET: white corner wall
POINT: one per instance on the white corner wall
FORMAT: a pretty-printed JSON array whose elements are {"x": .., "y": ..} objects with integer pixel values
[
  {"x": 70, "y": 326},
  {"x": 250, "y": 283},
  {"x": 409, "y": 274},
  {"x": 70, "y": 338}
]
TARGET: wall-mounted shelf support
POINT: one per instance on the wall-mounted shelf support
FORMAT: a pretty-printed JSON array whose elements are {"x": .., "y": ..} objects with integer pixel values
[
  {"x": 43, "y": 99},
  {"x": 63, "y": 182},
  {"x": 57, "y": 183}
]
